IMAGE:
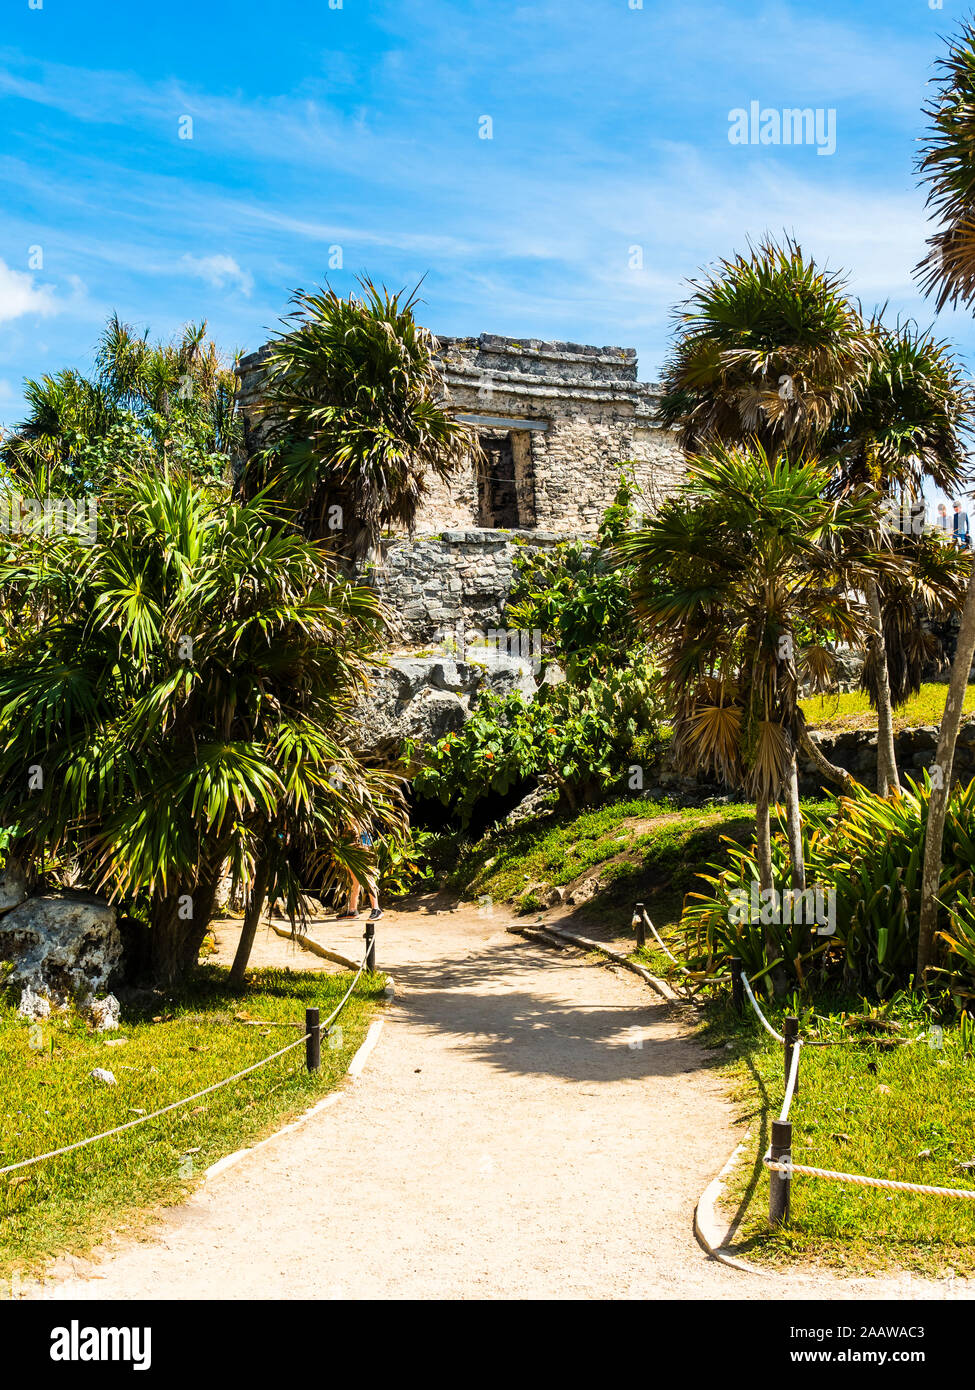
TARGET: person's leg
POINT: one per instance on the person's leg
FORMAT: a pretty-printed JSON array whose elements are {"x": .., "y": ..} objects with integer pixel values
[{"x": 353, "y": 906}]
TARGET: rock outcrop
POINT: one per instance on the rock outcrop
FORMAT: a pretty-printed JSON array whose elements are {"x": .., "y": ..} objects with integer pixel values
[
  {"x": 425, "y": 697},
  {"x": 64, "y": 947},
  {"x": 13, "y": 885}
]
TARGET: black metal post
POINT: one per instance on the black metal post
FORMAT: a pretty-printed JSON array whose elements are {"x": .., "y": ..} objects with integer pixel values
[
  {"x": 371, "y": 946},
  {"x": 737, "y": 988},
  {"x": 640, "y": 926},
  {"x": 313, "y": 1042},
  {"x": 790, "y": 1031},
  {"x": 780, "y": 1184}
]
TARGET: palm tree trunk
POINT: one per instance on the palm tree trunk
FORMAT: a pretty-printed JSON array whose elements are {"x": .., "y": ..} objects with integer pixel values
[
  {"x": 763, "y": 843},
  {"x": 829, "y": 770},
  {"x": 887, "y": 781},
  {"x": 255, "y": 906},
  {"x": 763, "y": 857},
  {"x": 179, "y": 921},
  {"x": 793, "y": 817},
  {"x": 941, "y": 785}
]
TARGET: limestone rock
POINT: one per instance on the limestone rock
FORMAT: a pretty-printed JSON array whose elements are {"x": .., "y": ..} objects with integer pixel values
[
  {"x": 425, "y": 697},
  {"x": 65, "y": 946},
  {"x": 583, "y": 891},
  {"x": 104, "y": 1014},
  {"x": 540, "y": 801},
  {"x": 107, "y": 1078},
  {"x": 33, "y": 1005},
  {"x": 13, "y": 886}
]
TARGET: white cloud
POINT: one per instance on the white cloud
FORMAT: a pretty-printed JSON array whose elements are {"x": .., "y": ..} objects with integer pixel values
[
  {"x": 20, "y": 295},
  {"x": 219, "y": 270}
]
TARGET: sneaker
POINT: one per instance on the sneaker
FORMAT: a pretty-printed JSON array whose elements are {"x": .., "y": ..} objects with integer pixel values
[
  {"x": 375, "y": 914},
  {"x": 346, "y": 916}
]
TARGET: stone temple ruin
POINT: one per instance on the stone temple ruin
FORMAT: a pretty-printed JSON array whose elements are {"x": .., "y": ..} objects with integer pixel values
[{"x": 554, "y": 421}]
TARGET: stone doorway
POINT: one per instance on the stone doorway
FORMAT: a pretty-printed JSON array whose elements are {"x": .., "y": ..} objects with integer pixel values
[{"x": 505, "y": 481}]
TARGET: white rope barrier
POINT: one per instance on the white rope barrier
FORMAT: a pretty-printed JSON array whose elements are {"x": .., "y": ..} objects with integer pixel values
[
  {"x": 329, "y": 1021},
  {"x": 761, "y": 1017},
  {"x": 175, "y": 1105},
  {"x": 966, "y": 1194},
  {"x": 793, "y": 1077},
  {"x": 713, "y": 980}
]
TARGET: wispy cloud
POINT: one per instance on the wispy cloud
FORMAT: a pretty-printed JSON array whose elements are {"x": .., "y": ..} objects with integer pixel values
[{"x": 218, "y": 270}]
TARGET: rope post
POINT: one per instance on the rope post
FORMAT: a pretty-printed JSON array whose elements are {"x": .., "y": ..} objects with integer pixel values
[
  {"x": 371, "y": 947},
  {"x": 790, "y": 1033},
  {"x": 640, "y": 927},
  {"x": 780, "y": 1184},
  {"x": 737, "y": 990},
  {"x": 313, "y": 1041}
]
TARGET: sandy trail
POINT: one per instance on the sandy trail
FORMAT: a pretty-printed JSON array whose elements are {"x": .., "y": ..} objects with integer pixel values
[{"x": 531, "y": 1125}]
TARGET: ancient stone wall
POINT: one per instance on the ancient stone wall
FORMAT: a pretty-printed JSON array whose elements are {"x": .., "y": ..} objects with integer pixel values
[
  {"x": 574, "y": 413},
  {"x": 564, "y": 416},
  {"x": 432, "y": 583}
]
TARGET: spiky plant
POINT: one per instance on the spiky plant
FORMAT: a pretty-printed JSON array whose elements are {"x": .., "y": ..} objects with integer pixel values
[
  {"x": 176, "y": 400},
  {"x": 767, "y": 346},
  {"x": 747, "y": 554},
  {"x": 946, "y": 166},
  {"x": 175, "y": 694},
  {"x": 353, "y": 417}
]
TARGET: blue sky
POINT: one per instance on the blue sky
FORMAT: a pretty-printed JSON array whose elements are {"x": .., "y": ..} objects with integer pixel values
[{"x": 316, "y": 127}]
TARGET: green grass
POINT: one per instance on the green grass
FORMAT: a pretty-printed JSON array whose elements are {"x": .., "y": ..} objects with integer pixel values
[
  {"x": 852, "y": 710},
  {"x": 49, "y": 1100},
  {"x": 632, "y": 844},
  {"x": 904, "y": 1111},
  {"x": 640, "y": 850}
]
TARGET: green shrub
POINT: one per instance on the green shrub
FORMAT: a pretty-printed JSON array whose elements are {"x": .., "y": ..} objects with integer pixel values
[
  {"x": 580, "y": 736},
  {"x": 869, "y": 852}
]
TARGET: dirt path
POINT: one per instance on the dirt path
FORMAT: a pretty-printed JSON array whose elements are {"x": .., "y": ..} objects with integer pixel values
[{"x": 530, "y": 1125}]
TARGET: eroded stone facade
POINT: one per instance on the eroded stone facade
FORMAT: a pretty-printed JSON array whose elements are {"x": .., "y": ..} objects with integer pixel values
[{"x": 555, "y": 420}]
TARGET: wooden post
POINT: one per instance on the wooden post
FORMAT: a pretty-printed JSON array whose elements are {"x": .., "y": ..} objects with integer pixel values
[
  {"x": 640, "y": 926},
  {"x": 313, "y": 1042},
  {"x": 790, "y": 1031},
  {"x": 737, "y": 988},
  {"x": 371, "y": 946},
  {"x": 780, "y": 1184}
]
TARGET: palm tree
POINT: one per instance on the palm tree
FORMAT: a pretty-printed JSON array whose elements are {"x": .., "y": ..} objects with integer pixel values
[
  {"x": 183, "y": 685},
  {"x": 770, "y": 347},
  {"x": 353, "y": 418},
  {"x": 176, "y": 401},
  {"x": 747, "y": 554},
  {"x": 909, "y": 425},
  {"x": 767, "y": 347},
  {"x": 947, "y": 166}
]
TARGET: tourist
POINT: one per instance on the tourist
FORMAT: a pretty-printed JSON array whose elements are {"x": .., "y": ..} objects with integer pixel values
[
  {"x": 366, "y": 840},
  {"x": 960, "y": 526},
  {"x": 942, "y": 517}
]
